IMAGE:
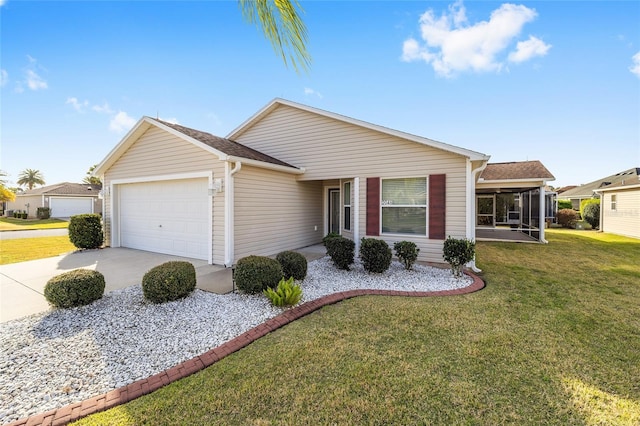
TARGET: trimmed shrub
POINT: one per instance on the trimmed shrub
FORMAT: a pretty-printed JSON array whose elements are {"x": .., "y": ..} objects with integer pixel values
[
  {"x": 375, "y": 255},
  {"x": 585, "y": 203},
  {"x": 43, "y": 212},
  {"x": 330, "y": 236},
  {"x": 591, "y": 214},
  {"x": 285, "y": 294},
  {"x": 457, "y": 252},
  {"x": 74, "y": 288},
  {"x": 293, "y": 265},
  {"x": 341, "y": 251},
  {"x": 407, "y": 253},
  {"x": 567, "y": 218},
  {"x": 169, "y": 281},
  {"x": 254, "y": 274},
  {"x": 85, "y": 231},
  {"x": 564, "y": 204}
]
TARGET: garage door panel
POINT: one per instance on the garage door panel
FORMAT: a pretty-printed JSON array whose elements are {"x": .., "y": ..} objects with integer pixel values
[
  {"x": 166, "y": 217},
  {"x": 67, "y": 207}
]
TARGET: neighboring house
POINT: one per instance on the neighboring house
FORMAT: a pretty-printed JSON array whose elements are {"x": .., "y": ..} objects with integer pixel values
[
  {"x": 64, "y": 199},
  {"x": 591, "y": 189},
  {"x": 513, "y": 195},
  {"x": 282, "y": 180},
  {"x": 620, "y": 208}
]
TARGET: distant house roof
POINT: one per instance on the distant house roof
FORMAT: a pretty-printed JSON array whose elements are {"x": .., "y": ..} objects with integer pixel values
[
  {"x": 628, "y": 176},
  {"x": 226, "y": 146},
  {"x": 565, "y": 188},
  {"x": 516, "y": 170},
  {"x": 64, "y": 188}
]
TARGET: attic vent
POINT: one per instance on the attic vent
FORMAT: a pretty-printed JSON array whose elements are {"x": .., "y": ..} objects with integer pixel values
[
  {"x": 89, "y": 188},
  {"x": 604, "y": 184}
]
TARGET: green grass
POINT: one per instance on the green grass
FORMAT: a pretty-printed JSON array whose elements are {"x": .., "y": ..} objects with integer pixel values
[
  {"x": 23, "y": 249},
  {"x": 554, "y": 338},
  {"x": 11, "y": 224}
]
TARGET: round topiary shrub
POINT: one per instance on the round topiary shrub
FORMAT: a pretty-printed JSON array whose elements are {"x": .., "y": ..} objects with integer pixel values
[
  {"x": 74, "y": 288},
  {"x": 341, "y": 251},
  {"x": 169, "y": 281},
  {"x": 407, "y": 253},
  {"x": 85, "y": 231},
  {"x": 293, "y": 265},
  {"x": 592, "y": 214},
  {"x": 567, "y": 218},
  {"x": 254, "y": 274},
  {"x": 375, "y": 255}
]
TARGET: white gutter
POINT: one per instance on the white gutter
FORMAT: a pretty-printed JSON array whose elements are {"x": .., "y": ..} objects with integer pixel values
[
  {"x": 229, "y": 212},
  {"x": 265, "y": 165},
  {"x": 472, "y": 174}
]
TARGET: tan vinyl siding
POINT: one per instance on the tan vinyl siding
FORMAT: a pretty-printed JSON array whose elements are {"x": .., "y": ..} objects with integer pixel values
[
  {"x": 34, "y": 202},
  {"x": 625, "y": 220},
  {"x": 274, "y": 212},
  {"x": 159, "y": 153},
  {"x": 330, "y": 149}
]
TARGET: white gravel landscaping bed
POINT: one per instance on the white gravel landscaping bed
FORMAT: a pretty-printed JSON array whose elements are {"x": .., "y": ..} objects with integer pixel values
[{"x": 59, "y": 357}]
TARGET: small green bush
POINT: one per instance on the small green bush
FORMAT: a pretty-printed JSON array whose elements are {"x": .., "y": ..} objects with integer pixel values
[
  {"x": 293, "y": 265},
  {"x": 584, "y": 203},
  {"x": 564, "y": 204},
  {"x": 254, "y": 274},
  {"x": 330, "y": 236},
  {"x": 591, "y": 214},
  {"x": 342, "y": 251},
  {"x": 85, "y": 231},
  {"x": 169, "y": 281},
  {"x": 375, "y": 255},
  {"x": 567, "y": 218},
  {"x": 285, "y": 294},
  {"x": 43, "y": 212},
  {"x": 74, "y": 288},
  {"x": 457, "y": 252},
  {"x": 407, "y": 253}
]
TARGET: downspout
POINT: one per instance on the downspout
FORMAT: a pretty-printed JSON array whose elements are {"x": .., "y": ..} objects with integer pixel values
[
  {"x": 542, "y": 214},
  {"x": 229, "y": 211},
  {"x": 356, "y": 213},
  {"x": 472, "y": 178}
]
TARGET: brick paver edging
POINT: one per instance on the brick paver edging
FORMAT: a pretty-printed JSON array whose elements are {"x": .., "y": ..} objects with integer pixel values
[{"x": 72, "y": 412}]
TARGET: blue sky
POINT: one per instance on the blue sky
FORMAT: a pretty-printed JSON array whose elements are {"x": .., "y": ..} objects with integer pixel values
[{"x": 554, "y": 81}]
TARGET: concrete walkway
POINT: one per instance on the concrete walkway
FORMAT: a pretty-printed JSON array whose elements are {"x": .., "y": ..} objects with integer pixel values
[
  {"x": 33, "y": 233},
  {"x": 22, "y": 284}
]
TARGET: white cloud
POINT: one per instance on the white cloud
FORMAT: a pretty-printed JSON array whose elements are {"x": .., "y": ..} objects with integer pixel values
[
  {"x": 2, "y": 3},
  {"x": 34, "y": 81},
  {"x": 103, "y": 109},
  {"x": 635, "y": 68},
  {"x": 77, "y": 105},
  {"x": 310, "y": 92},
  {"x": 121, "y": 122},
  {"x": 4, "y": 76},
  {"x": 526, "y": 50},
  {"x": 450, "y": 44}
]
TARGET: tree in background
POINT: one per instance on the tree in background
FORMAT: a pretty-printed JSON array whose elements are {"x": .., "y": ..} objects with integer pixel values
[
  {"x": 90, "y": 179},
  {"x": 5, "y": 193},
  {"x": 30, "y": 178},
  {"x": 282, "y": 26}
]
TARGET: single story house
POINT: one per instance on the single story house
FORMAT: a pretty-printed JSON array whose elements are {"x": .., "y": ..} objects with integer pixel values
[
  {"x": 282, "y": 180},
  {"x": 620, "y": 208},
  {"x": 591, "y": 189},
  {"x": 64, "y": 199}
]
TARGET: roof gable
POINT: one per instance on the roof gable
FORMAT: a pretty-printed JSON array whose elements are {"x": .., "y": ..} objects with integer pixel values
[
  {"x": 224, "y": 149},
  {"x": 472, "y": 155}
]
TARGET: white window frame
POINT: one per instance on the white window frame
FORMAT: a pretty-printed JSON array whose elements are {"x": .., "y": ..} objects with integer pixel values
[
  {"x": 346, "y": 204},
  {"x": 614, "y": 202},
  {"x": 384, "y": 204}
]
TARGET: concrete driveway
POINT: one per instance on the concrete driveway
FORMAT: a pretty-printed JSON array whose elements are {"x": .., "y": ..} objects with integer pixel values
[{"x": 22, "y": 284}]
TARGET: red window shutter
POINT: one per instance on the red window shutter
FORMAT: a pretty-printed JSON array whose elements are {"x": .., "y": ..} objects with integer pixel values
[
  {"x": 437, "y": 206},
  {"x": 373, "y": 206}
]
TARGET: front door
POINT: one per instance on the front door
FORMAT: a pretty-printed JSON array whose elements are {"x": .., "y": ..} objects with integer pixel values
[{"x": 334, "y": 211}]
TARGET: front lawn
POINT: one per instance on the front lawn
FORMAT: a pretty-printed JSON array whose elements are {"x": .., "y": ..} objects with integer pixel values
[
  {"x": 11, "y": 224},
  {"x": 23, "y": 249},
  {"x": 554, "y": 338}
]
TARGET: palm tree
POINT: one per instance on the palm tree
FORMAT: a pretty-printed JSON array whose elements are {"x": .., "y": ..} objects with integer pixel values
[
  {"x": 90, "y": 179},
  {"x": 282, "y": 26},
  {"x": 30, "y": 178}
]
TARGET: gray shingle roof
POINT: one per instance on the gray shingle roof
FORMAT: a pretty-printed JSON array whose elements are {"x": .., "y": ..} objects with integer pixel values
[
  {"x": 586, "y": 190},
  {"x": 65, "y": 188},
  {"x": 516, "y": 170},
  {"x": 226, "y": 146}
]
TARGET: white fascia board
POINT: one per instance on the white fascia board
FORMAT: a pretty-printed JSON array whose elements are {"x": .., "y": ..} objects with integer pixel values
[
  {"x": 472, "y": 155},
  {"x": 617, "y": 188},
  {"x": 535, "y": 181},
  {"x": 138, "y": 130},
  {"x": 265, "y": 165}
]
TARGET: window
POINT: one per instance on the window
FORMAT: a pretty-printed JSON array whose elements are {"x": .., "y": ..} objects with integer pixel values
[
  {"x": 404, "y": 206},
  {"x": 614, "y": 202},
  {"x": 347, "y": 206}
]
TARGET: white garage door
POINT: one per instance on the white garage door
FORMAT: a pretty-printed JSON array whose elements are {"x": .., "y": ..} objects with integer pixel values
[
  {"x": 168, "y": 217},
  {"x": 67, "y": 207}
]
